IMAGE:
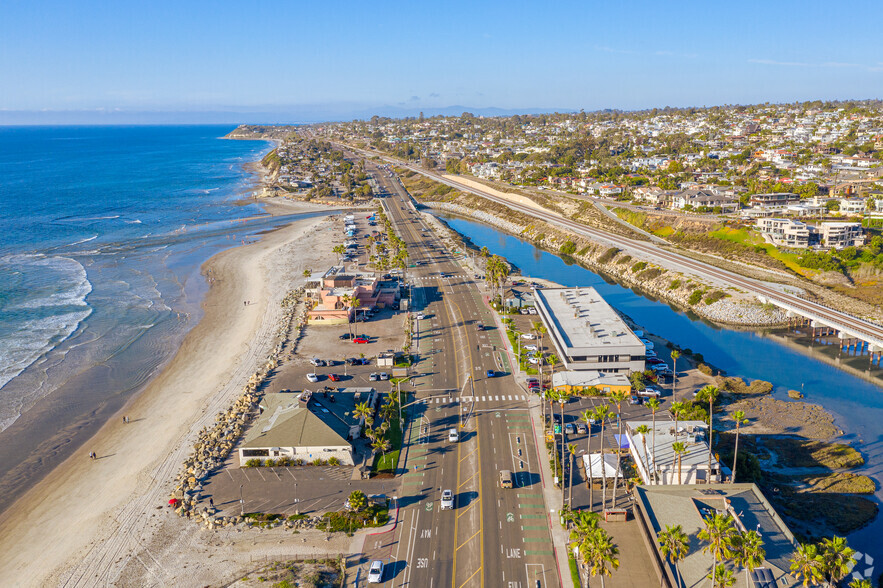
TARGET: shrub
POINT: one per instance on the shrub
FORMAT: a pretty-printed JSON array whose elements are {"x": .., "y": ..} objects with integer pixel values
[
  {"x": 652, "y": 273},
  {"x": 624, "y": 259},
  {"x": 608, "y": 255},
  {"x": 715, "y": 296},
  {"x": 639, "y": 266},
  {"x": 695, "y": 297},
  {"x": 270, "y": 463},
  {"x": 568, "y": 248},
  {"x": 674, "y": 285},
  {"x": 253, "y": 463},
  {"x": 333, "y": 461},
  {"x": 318, "y": 461},
  {"x": 583, "y": 251},
  {"x": 298, "y": 462},
  {"x": 704, "y": 369}
]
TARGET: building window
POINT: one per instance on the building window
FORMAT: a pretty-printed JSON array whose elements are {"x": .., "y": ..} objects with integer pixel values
[{"x": 255, "y": 453}]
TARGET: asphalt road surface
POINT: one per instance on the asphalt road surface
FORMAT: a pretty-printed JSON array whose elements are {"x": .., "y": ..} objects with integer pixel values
[{"x": 493, "y": 536}]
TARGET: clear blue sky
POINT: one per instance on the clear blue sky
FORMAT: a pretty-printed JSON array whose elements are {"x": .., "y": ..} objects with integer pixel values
[{"x": 339, "y": 58}]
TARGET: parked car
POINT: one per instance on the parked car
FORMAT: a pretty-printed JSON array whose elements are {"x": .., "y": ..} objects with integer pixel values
[
  {"x": 361, "y": 339},
  {"x": 384, "y": 376},
  {"x": 345, "y": 337},
  {"x": 375, "y": 572},
  {"x": 581, "y": 428},
  {"x": 533, "y": 382},
  {"x": 447, "y": 500},
  {"x": 634, "y": 400},
  {"x": 421, "y": 316},
  {"x": 528, "y": 336},
  {"x": 334, "y": 377},
  {"x": 317, "y": 362},
  {"x": 533, "y": 360},
  {"x": 531, "y": 347},
  {"x": 650, "y": 392},
  {"x": 569, "y": 429},
  {"x": 312, "y": 377},
  {"x": 374, "y": 377},
  {"x": 354, "y": 361}
]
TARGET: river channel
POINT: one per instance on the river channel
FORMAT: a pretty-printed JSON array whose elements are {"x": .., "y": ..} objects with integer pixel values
[{"x": 855, "y": 402}]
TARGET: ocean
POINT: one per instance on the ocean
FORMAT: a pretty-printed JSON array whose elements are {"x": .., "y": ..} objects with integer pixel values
[{"x": 102, "y": 234}]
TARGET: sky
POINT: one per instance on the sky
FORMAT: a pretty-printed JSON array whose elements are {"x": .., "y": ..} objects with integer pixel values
[{"x": 292, "y": 61}]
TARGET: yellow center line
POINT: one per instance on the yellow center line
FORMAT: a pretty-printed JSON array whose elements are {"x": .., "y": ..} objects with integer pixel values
[
  {"x": 465, "y": 510},
  {"x": 468, "y": 540},
  {"x": 470, "y": 577}
]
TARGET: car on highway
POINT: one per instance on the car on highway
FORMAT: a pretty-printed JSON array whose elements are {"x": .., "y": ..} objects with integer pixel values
[
  {"x": 453, "y": 436},
  {"x": 447, "y": 500},
  {"x": 312, "y": 377},
  {"x": 375, "y": 572},
  {"x": 361, "y": 339},
  {"x": 491, "y": 374},
  {"x": 480, "y": 327},
  {"x": 334, "y": 377}
]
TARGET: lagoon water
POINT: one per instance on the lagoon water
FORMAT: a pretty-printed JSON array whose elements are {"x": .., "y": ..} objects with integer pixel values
[
  {"x": 102, "y": 234},
  {"x": 856, "y": 403}
]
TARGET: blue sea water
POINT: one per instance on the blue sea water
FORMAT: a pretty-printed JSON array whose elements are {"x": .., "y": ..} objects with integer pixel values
[{"x": 102, "y": 231}]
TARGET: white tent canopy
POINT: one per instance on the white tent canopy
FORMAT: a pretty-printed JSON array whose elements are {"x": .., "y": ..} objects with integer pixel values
[{"x": 592, "y": 465}]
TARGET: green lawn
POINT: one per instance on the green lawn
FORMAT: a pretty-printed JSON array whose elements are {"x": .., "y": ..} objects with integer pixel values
[
  {"x": 574, "y": 568},
  {"x": 390, "y": 461}
]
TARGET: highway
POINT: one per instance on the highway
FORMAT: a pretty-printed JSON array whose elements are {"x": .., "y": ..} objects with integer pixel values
[
  {"x": 855, "y": 325},
  {"x": 493, "y": 536}
]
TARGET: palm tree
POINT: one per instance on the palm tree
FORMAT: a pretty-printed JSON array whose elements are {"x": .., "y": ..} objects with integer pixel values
[
  {"x": 588, "y": 417},
  {"x": 750, "y": 553},
  {"x": 712, "y": 393},
  {"x": 380, "y": 444},
  {"x": 676, "y": 409},
  {"x": 807, "y": 564},
  {"x": 679, "y": 449},
  {"x": 602, "y": 413},
  {"x": 643, "y": 430},
  {"x": 347, "y": 300},
  {"x": 653, "y": 403},
  {"x": 675, "y": 354},
  {"x": 571, "y": 449},
  {"x": 618, "y": 396},
  {"x": 674, "y": 545},
  {"x": 837, "y": 559},
  {"x": 600, "y": 554},
  {"x": 721, "y": 577},
  {"x": 718, "y": 534},
  {"x": 562, "y": 397},
  {"x": 339, "y": 249},
  {"x": 739, "y": 417},
  {"x": 860, "y": 583},
  {"x": 362, "y": 411},
  {"x": 584, "y": 523}
]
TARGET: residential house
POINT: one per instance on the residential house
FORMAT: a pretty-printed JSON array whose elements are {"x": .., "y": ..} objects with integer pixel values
[
  {"x": 840, "y": 235},
  {"x": 785, "y": 232}
]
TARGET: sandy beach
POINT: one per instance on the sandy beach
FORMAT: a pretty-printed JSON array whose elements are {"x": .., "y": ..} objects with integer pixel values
[{"x": 82, "y": 524}]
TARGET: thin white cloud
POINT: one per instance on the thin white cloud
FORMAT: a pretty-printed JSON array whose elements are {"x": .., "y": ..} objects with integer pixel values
[
  {"x": 658, "y": 53},
  {"x": 826, "y": 64},
  {"x": 606, "y": 49}
]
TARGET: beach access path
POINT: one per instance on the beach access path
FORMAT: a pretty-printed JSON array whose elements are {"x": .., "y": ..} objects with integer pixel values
[{"x": 83, "y": 523}]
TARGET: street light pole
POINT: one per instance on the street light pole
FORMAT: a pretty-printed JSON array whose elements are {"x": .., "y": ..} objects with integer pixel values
[{"x": 241, "y": 503}]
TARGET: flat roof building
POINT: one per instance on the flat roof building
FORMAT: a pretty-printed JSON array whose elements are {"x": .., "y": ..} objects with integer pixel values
[
  {"x": 693, "y": 464},
  {"x": 587, "y": 332},
  {"x": 576, "y": 382},
  {"x": 657, "y": 507}
]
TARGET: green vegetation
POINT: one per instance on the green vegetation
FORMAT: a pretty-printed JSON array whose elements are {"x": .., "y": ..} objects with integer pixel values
[
  {"x": 639, "y": 266},
  {"x": 674, "y": 285},
  {"x": 805, "y": 453},
  {"x": 695, "y": 297},
  {"x": 715, "y": 296},
  {"x": 608, "y": 255},
  {"x": 568, "y": 248}
]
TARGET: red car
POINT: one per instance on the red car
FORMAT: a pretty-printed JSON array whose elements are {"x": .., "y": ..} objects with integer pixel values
[
  {"x": 334, "y": 377},
  {"x": 360, "y": 340}
]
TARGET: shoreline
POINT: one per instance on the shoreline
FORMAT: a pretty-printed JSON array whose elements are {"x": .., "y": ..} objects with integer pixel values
[{"x": 168, "y": 411}]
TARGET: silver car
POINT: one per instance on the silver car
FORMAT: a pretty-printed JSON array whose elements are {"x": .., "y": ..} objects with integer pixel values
[{"x": 447, "y": 500}]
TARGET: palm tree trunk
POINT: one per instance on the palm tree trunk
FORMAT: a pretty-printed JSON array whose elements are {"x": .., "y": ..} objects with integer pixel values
[
  {"x": 562, "y": 451},
  {"x": 655, "y": 476},
  {"x": 603, "y": 472},
  {"x": 674, "y": 380},
  {"x": 618, "y": 456},
  {"x": 735, "y": 455},
  {"x": 591, "y": 475},
  {"x": 710, "y": 433},
  {"x": 570, "y": 485}
]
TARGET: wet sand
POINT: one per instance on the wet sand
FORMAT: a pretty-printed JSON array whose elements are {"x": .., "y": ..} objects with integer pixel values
[{"x": 86, "y": 516}]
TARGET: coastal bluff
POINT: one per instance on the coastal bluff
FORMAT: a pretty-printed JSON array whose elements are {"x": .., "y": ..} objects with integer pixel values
[{"x": 261, "y": 132}]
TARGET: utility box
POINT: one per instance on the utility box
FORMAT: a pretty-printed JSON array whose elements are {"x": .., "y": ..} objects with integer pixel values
[{"x": 616, "y": 515}]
